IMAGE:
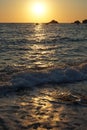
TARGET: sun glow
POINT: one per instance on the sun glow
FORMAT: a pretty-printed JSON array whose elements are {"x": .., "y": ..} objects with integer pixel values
[{"x": 38, "y": 9}]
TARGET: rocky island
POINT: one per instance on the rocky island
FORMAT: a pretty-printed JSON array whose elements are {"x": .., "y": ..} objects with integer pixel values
[
  {"x": 52, "y": 22},
  {"x": 77, "y": 22},
  {"x": 84, "y": 21}
]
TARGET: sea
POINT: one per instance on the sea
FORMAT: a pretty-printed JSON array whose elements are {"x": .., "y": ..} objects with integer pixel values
[{"x": 43, "y": 76}]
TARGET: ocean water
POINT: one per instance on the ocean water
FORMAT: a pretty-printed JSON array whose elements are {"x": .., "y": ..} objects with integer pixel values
[{"x": 43, "y": 76}]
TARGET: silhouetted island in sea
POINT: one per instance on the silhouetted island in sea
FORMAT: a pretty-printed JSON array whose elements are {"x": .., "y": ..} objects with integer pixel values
[
  {"x": 84, "y": 21},
  {"x": 77, "y": 22},
  {"x": 52, "y": 22}
]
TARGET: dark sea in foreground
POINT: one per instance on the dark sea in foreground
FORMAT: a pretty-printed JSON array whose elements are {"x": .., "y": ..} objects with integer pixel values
[{"x": 43, "y": 77}]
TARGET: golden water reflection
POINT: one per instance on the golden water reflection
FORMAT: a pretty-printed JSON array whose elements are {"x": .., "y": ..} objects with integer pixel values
[
  {"x": 42, "y": 112},
  {"x": 39, "y": 54},
  {"x": 39, "y": 32}
]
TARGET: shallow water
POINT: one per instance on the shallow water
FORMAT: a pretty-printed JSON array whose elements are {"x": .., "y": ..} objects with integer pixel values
[
  {"x": 43, "y": 77},
  {"x": 54, "y": 107}
]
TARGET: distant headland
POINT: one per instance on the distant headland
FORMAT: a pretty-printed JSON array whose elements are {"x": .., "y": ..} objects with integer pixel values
[
  {"x": 53, "y": 22},
  {"x": 75, "y": 22},
  {"x": 83, "y": 22}
]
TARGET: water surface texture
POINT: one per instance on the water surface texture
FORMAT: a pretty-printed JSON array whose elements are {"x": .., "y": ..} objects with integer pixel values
[{"x": 43, "y": 77}]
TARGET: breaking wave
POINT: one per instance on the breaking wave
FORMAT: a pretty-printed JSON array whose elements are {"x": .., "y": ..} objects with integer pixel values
[
  {"x": 31, "y": 80},
  {"x": 57, "y": 75}
]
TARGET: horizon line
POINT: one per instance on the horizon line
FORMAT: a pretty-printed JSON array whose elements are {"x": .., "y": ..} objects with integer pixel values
[{"x": 45, "y": 22}]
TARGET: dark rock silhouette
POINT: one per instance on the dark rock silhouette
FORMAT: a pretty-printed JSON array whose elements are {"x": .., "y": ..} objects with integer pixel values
[
  {"x": 37, "y": 23},
  {"x": 84, "y": 21},
  {"x": 53, "y": 22},
  {"x": 77, "y": 22}
]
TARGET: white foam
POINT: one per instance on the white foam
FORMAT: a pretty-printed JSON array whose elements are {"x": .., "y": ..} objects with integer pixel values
[{"x": 57, "y": 75}]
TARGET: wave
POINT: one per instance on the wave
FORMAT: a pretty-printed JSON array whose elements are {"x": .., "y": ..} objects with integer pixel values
[
  {"x": 60, "y": 39},
  {"x": 66, "y": 75},
  {"x": 56, "y": 75},
  {"x": 68, "y": 39},
  {"x": 31, "y": 80}
]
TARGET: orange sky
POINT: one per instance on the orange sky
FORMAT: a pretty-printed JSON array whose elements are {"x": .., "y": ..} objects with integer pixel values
[{"x": 25, "y": 10}]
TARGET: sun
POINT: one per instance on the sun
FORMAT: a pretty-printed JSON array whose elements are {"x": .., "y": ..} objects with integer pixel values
[{"x": 38, "y": 9}]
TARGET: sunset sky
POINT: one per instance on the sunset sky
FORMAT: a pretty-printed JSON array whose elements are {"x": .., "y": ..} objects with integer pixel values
[{"x": 42, "y": 10}]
